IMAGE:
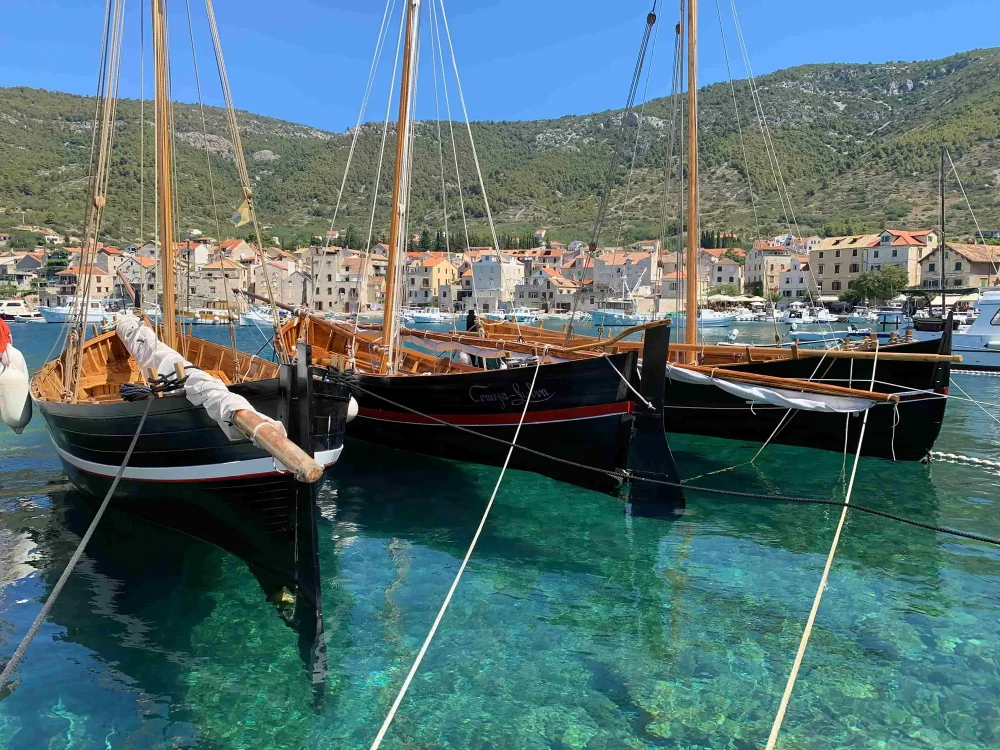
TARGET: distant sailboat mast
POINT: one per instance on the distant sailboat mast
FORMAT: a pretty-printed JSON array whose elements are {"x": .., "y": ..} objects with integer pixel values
[{"x": 691, "y": 259}]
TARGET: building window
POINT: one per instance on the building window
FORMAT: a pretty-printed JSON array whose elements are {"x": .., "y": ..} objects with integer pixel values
[
  {"x": 819, "y": 285},
  {"x": 820, "y": 255},
  {"x": 958, "y": 265},
  {"x": 836, "y": 266},
  {"x": 930, "y": 266},
  {"x": 838, "y": 253},
  {"x": 821, "y": 267},
  {"x": 854, "y": 267},
  {"x": 876, "y": 253},
  {"x": 835, "y": 285},
  {"x": 854, "y": 253},
  {"x": 788, "y": 280},
  {"x": 719, "y": 279},
  {"x": 894, "y": 251}
]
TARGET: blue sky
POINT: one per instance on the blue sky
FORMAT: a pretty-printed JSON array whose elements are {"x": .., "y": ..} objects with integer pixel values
[{"x": 307, "y": 60}]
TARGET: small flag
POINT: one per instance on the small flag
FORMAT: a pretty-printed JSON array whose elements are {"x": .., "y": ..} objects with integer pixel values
[{"x": 242, "y": 215}]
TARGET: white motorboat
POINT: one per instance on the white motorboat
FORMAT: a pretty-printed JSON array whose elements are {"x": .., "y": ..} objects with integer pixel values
[
  {"x": 94, "y": 313},
  {"x": 707, "y": 318},
  {"x": 978, "y": 343},
  {"x": 260, "y": 315},
  {"x": 822, "y": 315},
  {"x": 11, "y": 308},
  {"x": 205, "y": 316},
  {"x": 428, "y": 315},
  {"x": 32, "y": 317},
  {"x": 862, "y": 316}
]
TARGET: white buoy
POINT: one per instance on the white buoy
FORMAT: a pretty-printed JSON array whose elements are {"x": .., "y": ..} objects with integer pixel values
[
  {"x": 15, "y": 400},
  {"x": 352, "y": 410}
]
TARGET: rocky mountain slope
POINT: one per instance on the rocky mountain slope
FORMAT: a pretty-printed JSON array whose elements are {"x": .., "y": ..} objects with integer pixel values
[{"x": 858, "y": 147}]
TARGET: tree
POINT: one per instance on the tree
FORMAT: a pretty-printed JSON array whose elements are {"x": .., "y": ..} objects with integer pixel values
[
  {"x": 731, "y": 289},
  {"x": 851, "y": 296},
  {"x": 756, "y": 288},
  {"x": 8, "y": 290},
  {"x": 881, "y": 284}
]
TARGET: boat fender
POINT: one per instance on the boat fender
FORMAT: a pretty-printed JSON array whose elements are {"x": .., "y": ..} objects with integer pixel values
[
  {"x": 464, "y": 358},
  {"x": 15, "y": 401},
  {"x": 352, "y": 410}
]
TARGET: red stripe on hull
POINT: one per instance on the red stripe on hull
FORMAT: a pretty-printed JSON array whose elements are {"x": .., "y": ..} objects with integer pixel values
[{"x": 490, "y": 420}]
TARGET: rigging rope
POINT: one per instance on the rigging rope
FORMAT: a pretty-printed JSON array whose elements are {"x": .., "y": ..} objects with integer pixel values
[
  {"x": 616, "y": 157},
  {"x": 475, "y": 154},
  {"x": 793, "y": 676},
  {"x": 378, "y": 174},
  {"x": 241, "y": 166},
  {"x": 974, "y": 219},
  {"x": 215, "y": 203},
  {"x": 458, "y": 576},
  {"x": 454, "y": 143},
  {"x": 57, "y": 589},
  {"x": 638, "y": 134},
  {"x": 625, "y": 476},
  {"x": 739, "y": 124}
]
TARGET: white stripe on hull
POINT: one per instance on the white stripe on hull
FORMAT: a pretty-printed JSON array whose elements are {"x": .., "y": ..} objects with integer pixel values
[{"x": 199, "y": 473}]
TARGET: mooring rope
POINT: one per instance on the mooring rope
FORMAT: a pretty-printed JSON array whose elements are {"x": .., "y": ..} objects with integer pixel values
[
  {"x": 458, "y": 576},
  {"x": 793, "y": 676},
  {"x": 625, "y": 476},
  {"x": 57, "y": 589}
]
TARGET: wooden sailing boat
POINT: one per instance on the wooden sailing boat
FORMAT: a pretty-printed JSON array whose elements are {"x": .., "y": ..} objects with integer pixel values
[
  {"x": 188, "y": 472},
  {"x": 584, "y": 422},
  {"x": 915, "y": 373}
]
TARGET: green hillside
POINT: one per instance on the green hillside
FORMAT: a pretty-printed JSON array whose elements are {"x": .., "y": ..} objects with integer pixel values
[{"x": 858, "y": 145}]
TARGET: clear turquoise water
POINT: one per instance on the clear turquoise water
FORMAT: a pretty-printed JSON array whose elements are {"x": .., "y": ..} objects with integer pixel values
[{"x": 574, "y": 627}]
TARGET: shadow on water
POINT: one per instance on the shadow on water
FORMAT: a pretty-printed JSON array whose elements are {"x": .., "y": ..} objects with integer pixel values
[
  {"x": 144, "y": 598},
  {"x": 439, "y": 503}
]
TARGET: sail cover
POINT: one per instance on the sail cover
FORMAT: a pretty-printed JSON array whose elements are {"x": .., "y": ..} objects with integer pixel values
[
  {"x": 788, "y": 399},
  {"x": 201, "y": 388}
]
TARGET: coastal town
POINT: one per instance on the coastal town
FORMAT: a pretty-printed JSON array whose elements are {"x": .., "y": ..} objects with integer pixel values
[{"x": 552, "y": 277}]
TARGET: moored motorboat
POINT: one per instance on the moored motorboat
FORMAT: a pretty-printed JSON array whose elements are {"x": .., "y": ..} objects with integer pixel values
[
  {"x": 32, "y": 317},
  {"x": 10, "y": 309}
]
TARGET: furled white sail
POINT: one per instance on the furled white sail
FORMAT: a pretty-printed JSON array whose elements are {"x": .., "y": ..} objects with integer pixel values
[
  {"x": 788, "y": 399},
  {"x": 201, "y": 388}
]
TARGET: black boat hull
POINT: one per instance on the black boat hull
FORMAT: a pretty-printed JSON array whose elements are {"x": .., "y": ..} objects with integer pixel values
[
  {"x": 583, "y": 425},
  {"x": 578, "y": 411},
  {"x": 903, "y": 432},
  {"x": 186, "y": 474}
]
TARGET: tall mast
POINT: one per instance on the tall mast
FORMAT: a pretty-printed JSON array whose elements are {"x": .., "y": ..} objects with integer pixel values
[
  {"x": 941, "y": 245},
  {"x": 163, "y": 174},
  {"x": 398, "y": 188},
  {"x": 691, "y": 262}
]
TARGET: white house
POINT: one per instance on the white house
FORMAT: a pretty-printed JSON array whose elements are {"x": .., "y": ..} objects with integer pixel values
[
  {"x": 546, "y": 290},
  {"x": 796, "y": 281}
]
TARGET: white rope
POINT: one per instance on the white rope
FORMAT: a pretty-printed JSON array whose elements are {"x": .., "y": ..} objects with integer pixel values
[
  {"x": 958, "y": 458},
  {"x": 625, "y": 381},
  {"x": 57, "y": 589},
  {"x": 991, "y": 416},
  {"x": 739, "y": 124},
  {"x": 779, "y": 718},
  {"x": 475, "y": 155},
  {"x": 458, "y": 576},
  {"x": 974, "y": 219},
  {"x": 378, "y": 177}
]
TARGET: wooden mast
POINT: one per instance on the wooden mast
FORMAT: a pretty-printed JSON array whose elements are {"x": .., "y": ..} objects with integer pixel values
[
  {"x": 691, "y": 260},
  {"x": 163, "y": 171},
  {"x": 398, "y": 189}
]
